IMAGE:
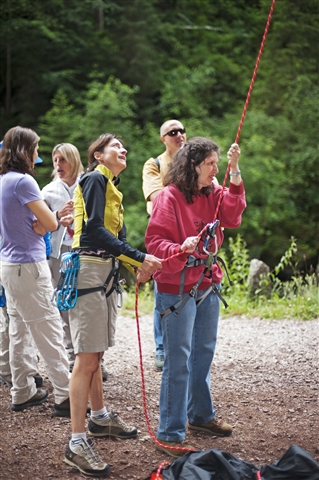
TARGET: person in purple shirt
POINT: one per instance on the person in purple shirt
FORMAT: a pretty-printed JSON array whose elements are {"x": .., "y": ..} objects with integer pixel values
[
  {"x": 26, "y": 277},
  {"x": 5, "y": 370}
]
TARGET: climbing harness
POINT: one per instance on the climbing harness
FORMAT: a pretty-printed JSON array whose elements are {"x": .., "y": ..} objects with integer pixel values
[
  {"x": 209, "y": 261},
  {"x": 66, "y": 293}
]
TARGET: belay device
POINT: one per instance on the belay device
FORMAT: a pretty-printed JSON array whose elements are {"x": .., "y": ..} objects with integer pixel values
[{"x": 66, "y": 293}]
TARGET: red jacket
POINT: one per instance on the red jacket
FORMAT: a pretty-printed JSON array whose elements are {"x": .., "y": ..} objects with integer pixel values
[{"x": 173, "y": 220}]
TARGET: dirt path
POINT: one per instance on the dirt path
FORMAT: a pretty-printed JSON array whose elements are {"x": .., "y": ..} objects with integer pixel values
[{"x": 264, "y": 382}]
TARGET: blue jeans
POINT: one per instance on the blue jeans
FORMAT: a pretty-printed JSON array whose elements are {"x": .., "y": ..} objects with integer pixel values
[
  {"x": 189, "y": 344},
  {"x": 158, "y": 337}
]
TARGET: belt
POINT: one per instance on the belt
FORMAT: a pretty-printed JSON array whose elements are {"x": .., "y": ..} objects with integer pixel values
[{"x": 90, "y": 253}]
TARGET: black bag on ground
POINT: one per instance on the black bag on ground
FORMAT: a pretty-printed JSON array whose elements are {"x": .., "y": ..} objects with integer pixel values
[{"x": 295, "y": 464}]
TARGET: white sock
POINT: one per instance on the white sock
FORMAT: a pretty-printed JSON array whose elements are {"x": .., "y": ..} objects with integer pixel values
[
  {"x": 77, "y": 437},
  {"x": 102, "y": 413}
]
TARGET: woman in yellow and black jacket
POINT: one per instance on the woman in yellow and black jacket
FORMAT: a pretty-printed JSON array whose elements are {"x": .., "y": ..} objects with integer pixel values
[{"x": 99, "y": 237}]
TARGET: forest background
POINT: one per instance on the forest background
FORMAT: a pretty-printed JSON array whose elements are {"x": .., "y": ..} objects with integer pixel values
[{"x": 72, "y": 70}]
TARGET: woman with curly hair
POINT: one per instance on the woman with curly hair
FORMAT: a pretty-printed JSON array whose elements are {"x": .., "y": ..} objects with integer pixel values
[{"x": 189, "y": 285}]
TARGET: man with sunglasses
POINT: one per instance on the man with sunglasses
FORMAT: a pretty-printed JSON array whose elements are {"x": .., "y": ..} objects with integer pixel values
[{"x": 173, "y": 135}]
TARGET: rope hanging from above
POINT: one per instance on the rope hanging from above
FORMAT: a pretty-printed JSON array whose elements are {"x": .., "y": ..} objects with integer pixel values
[{"x": 247, "y": 99}]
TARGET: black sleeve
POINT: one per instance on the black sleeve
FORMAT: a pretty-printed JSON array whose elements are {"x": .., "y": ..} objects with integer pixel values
[{"x": 94, "y": 195}]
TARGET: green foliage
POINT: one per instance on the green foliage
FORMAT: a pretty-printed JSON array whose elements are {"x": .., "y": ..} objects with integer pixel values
[
  {"x": 73, "y": 70},
  {"x": 145, "y": 301},
  {"x": 295, "y": 298},
  {"x": 236, "y": 257}
]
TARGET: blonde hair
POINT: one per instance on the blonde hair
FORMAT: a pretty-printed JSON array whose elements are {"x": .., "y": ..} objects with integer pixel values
[{"x": 72, "y": 156}]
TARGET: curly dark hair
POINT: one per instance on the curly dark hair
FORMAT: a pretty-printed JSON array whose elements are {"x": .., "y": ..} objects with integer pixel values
[
  {"x": 182, "y": 171},
  {"x": 17, "y": 150}
]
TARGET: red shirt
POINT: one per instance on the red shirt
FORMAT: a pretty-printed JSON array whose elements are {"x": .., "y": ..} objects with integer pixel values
[{"x": 173, "y": 220}]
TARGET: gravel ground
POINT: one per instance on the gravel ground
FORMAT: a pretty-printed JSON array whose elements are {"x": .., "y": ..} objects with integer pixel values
[{"x": 264, "y": 382}]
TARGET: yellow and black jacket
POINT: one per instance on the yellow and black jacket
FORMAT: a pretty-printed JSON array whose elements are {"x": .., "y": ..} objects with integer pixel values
[{"x": 98, "y": 217}]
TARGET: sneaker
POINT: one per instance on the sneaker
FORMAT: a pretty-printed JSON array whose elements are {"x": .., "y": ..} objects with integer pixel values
[
  {"x": 104, "y": 373},
  {"x": 84, "y": 457},
  {"x": 37, "y": 399},
  {"x": 38, "y": 380},
  {"x": 174, "y": 449},
  {"x": 159, "y": 362},
  {"x": 216, "y": 427},
  {"x": 111, "y": 426},
  {"x": 64, "y": 409},
  {"x": 7, "y": 379}
]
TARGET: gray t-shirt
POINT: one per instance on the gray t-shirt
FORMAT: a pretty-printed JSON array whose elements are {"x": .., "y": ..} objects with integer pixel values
[{"x": 18, "y": 242}]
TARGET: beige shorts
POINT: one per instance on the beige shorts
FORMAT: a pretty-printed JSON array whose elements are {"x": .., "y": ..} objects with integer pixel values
[{"x": 93, "y": 319}]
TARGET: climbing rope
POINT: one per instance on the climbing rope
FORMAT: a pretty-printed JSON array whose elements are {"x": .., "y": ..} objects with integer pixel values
[
  {"x": 209, "y": 225},
  {"x": 247, "y": 100}
]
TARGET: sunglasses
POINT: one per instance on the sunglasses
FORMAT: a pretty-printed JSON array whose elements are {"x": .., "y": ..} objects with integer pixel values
[{"x": 173, "y": 133}]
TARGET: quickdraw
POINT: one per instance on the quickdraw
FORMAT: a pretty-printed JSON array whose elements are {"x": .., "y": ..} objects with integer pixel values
[
  {"x": 65, "y": 294},
  {"x": 211, "y": 233}
]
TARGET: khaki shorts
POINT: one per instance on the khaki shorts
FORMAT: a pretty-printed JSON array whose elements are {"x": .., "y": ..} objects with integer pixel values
[{"x": 92, "y": 320}]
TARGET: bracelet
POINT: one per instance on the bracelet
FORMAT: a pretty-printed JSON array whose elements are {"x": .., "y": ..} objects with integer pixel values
[
  {"x": 235, "y": 174},
  {"x": 57, "y": 216}
]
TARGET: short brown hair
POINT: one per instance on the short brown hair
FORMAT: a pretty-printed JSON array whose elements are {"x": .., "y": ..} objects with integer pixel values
[
  {"x": 98, "y": 146},
  {"x": 17, "y": 150}
]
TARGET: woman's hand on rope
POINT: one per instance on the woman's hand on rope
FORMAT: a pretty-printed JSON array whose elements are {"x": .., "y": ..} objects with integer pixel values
[
  {"x": 190, "y": 244},
  {"x": 149, "y": 266},
  {"x": 233, "y": 158},
  {"x": 142, "y": 277}
]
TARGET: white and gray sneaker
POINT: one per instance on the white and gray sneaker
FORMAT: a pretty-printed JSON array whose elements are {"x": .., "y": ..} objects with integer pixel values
[
  {"x": 84, "y": 457},
  {"x": 111, "y": 426}
]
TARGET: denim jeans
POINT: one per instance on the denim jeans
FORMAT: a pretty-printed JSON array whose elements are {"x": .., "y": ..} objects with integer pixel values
[
  {"x": 158, "y": 337},
  {"x": 189, "y": 344}
]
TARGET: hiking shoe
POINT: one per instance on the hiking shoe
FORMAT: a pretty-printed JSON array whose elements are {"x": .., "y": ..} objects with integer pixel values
[
  {"x": 64, "y": 409},
  {"x": 159, "y": 362},
  {"x": 37, "y": 399},
  {"x": 216, "y": 427},
  {"x": 84, "y": 457},
  {"x": 104, "y": 373},
  {"x": 7, "y": 379},
  {"x": 111, "y": 426},
  {"x": 177, "y": 449},
  {"x": 38, "y": 380}
]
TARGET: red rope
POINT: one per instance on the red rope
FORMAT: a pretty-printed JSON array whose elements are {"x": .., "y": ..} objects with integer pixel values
[
  {"x": 247, "y": 100},
  {"x": 200, "y": 234},
  {"x": 149, "y": 428}
]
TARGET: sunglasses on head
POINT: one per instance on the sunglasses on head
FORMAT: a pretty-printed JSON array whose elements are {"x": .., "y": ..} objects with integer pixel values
[{"x": 173, "y": 133}]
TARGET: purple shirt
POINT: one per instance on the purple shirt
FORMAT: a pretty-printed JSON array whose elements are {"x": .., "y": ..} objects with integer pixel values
[{"x": 18, "y": 242}]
